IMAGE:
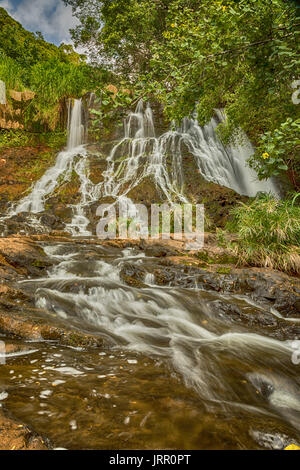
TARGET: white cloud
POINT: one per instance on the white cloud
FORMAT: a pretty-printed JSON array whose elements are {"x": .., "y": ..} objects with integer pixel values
[
  {"x": 51, "y": 17},
  {"x": 5, "y": 4}
]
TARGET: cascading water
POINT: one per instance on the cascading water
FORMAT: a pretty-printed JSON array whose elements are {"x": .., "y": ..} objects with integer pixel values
[
  {"x": 224, "y": 165},
  {"x": 140, "y": 155},
  {"x": 76, "y": 129},
  {"x": 62, "y": 170},
  {"x": 233, "y": 370}
]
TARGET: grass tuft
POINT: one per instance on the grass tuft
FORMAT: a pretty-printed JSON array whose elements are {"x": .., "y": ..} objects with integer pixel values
[{"x": 268, "y": 233}]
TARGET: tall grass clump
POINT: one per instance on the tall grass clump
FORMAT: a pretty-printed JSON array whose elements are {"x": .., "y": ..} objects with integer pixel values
[
  {"x": 53, "y": 81},
  {"x": 268, "y": 233},
  {"x": 11, "y": 73}
]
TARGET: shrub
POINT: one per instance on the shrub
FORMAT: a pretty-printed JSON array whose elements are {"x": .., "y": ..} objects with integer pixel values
[
  {"x": 268, "y": 233},
  {"x": 278, "y": 152},
  {"x": 13, "y": 138}
]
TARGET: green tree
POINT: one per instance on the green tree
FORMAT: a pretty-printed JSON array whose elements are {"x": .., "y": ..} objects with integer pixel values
[
  {"x": 120, "y": 32},
  {"x": 238, "y": 55}
]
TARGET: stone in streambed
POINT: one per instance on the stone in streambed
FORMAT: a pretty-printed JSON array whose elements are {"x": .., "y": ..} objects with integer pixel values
[
  {"x": 28, "y": 326},
  {"x": 158, "y": 251},
  {"x": 16, "y": 436},
  {"x": 23, "y": 255}
]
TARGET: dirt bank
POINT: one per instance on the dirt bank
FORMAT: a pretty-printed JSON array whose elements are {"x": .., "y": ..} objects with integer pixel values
[{"x": 20, "y": 168}]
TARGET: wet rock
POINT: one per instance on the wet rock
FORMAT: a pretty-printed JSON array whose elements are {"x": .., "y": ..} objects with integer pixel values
[
  {"x": 288, "y": 303},
  {"x": 275, "y": 289},
  {"x": 23, "y": 255},
  {"x": 16, "y": 224},
  {"x": 53, "y": 236},
  {"x": 251, "y": 318},
  {"x": 25, "y": 224},
  {"x": 27, "y": 326},
  {"x": 59, "y": 234},
  {"x": 131, "y": 281},
  {"x": 163, "y": 277},
  {"x": 158, "y": 251},
  {"x": 133, "y": 274},
  {"x": 49, "y": 220},
  {"x": 8, "y": 295},
  {"x": 16, "y": 436},
  {"x": 241, "y": 312},
  {"x": 7, "y": 272},
  {"x": 276, "y": 441},
  {"x": 62, "y": 212},
  {"x": 146, "y": 193}
]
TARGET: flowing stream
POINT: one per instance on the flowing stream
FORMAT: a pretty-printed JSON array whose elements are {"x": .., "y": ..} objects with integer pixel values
[{"x": 176, "y": 370}]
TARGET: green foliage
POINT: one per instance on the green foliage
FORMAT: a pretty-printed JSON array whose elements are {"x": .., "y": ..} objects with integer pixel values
[
  {"x": 278, "y": 151},
  {"x": 239, "y": 55},
  {"x": 223, "y": 270},
  {"x": 11, "y": 73},
  {"x": 11, "y": 138},
  {"x": 53, "y": 73},
  {"x": 225, "y": 54},
  {"x": 54, "y": 81},
  {"x": 33, "y": 170},
  {"x": 268, "y": 233},
  {"x": 27, "y": 48},
  {"x": 120, "y": 32},
  {"x": 112, "y": 106},
  {"x": 54, "y": 140}
]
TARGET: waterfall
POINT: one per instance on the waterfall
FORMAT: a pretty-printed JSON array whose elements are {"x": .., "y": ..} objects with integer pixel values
[
  {"x": 62, "y": 170},
  {"x": 2, "y": 92},
  {"x": 76, "y": 130},
  {"x": 140, "y": 155},
  {"x": 225, "y": 165}
]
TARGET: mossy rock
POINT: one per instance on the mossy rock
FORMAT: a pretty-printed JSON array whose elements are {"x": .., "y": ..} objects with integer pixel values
[
  {"x": 210, "y": 258},
  {"x": 224, "y": 270}
]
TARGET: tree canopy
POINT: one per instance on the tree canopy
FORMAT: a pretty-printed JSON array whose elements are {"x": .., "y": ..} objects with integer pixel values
[{"x": 240, "y": 55}]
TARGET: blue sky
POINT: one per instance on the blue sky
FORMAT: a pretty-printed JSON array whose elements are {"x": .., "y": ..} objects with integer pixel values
[{"x": 51, "y": 17}]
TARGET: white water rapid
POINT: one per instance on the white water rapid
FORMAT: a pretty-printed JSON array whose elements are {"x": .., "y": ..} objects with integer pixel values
[{"x": 233, "y": 368}]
